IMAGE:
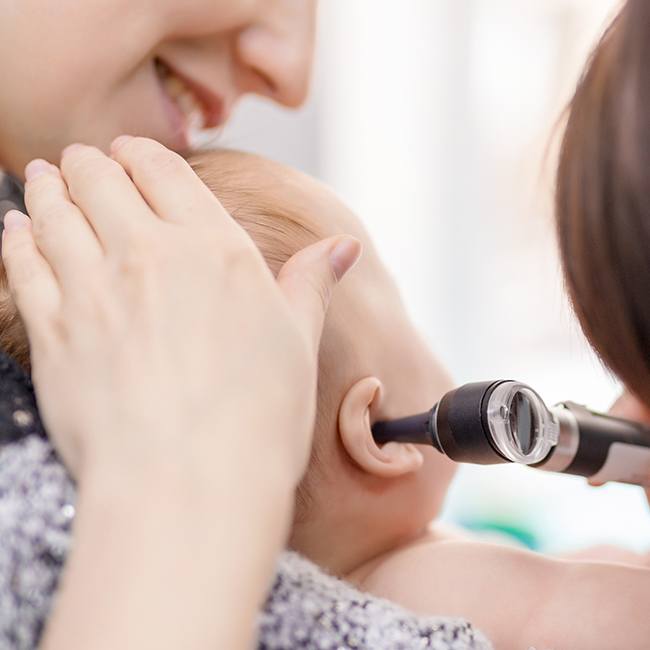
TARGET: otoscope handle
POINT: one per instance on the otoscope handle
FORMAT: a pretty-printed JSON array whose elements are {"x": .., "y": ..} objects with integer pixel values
[{"x": 601, "y": 447}]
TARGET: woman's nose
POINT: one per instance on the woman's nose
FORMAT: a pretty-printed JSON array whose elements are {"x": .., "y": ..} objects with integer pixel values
[{"x": 276, "y": 54}]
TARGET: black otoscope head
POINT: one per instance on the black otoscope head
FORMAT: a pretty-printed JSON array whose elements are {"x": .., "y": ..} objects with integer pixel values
[
  {"x": 483, "y": 423},
  {"x": 456, "y": 426}
]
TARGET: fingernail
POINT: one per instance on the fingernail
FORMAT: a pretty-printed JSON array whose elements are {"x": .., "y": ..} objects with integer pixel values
[
  {"x": 35, "y": 168},
  {"x": 119, "y": 142},
  {"x": 344, "y": 256},
  {"x": 71, "y": 148},
  {"x": 15, "y": 220}
]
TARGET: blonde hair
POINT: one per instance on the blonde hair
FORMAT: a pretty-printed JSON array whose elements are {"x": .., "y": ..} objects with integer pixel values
[
  {"x": 13, "y": 337},
  {"x": 251, "y": 190}
]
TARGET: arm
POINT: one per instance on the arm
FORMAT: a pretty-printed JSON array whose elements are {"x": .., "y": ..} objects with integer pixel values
[
  {"x": 609, "y": 555},
  {"x": 630, "y": 407},
  {"x": 522, "y": 599}
]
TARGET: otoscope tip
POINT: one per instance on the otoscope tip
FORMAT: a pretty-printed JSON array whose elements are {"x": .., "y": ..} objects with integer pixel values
[{"x": 415, "y": 429}]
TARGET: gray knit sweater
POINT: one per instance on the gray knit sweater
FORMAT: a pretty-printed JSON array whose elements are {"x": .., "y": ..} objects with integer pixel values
[{"x": 305, "y": 609}]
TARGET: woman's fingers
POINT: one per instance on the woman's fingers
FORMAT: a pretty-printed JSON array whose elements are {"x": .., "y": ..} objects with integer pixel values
[
  {"x": 631, "y": 408},
  {"x": 31, "y": 280},
  {"x": 169, "y": 185},
  {"x": 309, "y": 277},
  {"x": 62, "y": 233},
  {"x": 105, "y": 195}
]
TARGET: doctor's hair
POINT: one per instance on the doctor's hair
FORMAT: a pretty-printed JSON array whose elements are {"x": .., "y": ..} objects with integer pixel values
[{"x": 603, "y": 199}]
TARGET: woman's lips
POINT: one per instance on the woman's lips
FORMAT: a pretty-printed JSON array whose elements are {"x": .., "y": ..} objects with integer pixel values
[
  {"x": 177, "y": 121},
  {"x": 189, "y": 106}
]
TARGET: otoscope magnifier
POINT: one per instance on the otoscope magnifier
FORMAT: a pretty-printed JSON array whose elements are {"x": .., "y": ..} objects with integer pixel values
[{"x": 507, "y": 422}]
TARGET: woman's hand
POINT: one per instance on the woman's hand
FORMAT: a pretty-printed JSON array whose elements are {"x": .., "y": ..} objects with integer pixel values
[
  {"x": 629, "y": 407},
  {"x": 177, "y": 379},
  {"x": 153, "y": 320}
]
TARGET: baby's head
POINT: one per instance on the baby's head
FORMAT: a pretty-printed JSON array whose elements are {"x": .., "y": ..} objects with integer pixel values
[{"x": 357, "y": 499}]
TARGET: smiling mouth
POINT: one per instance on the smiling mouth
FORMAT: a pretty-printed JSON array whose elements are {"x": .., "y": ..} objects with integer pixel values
[{"x": 199, "y": 107}]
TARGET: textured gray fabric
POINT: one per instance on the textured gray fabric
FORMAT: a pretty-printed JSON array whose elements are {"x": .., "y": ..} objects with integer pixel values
[
  {"x": 306, "y": 608},
  {"x": 309, "y": 609}
]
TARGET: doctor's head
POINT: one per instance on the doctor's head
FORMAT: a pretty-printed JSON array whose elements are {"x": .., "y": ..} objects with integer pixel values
[
  {"x": 603, "y": 199},
  {"x": 89, "y": 71}
]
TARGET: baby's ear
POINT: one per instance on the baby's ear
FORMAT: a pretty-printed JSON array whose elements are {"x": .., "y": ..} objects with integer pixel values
[{"x": 391, "y": 460}]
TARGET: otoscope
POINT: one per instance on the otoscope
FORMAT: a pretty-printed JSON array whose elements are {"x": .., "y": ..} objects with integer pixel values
[{"x": 506, "y": 421}]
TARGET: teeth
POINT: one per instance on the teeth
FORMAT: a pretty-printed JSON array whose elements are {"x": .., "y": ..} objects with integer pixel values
[
  {"x": 188, "y": 103},
  {"x": 174, "y": 86},
  {"x": 183, "y": 96}
]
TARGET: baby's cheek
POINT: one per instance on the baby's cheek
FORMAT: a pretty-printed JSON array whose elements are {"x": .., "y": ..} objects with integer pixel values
[{"x": 436, "y": 475}]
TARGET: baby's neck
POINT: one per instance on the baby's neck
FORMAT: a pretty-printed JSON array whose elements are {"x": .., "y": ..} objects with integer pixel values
[{"x": 347, "y": 549}]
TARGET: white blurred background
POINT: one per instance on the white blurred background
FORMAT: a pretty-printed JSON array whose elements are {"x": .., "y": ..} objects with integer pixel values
[{"x": 434, "y": 120}]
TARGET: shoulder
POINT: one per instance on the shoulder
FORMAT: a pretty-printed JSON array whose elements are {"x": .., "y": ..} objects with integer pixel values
[
  {"x": 19, "y": 417},
  {"x": 36, "y": 511}
]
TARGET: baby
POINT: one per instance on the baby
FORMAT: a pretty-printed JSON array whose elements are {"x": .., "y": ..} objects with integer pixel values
[{"x": 363, "y": 511}]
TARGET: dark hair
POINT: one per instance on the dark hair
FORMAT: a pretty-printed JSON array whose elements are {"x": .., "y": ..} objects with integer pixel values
[{"x": 603, "y": 198}]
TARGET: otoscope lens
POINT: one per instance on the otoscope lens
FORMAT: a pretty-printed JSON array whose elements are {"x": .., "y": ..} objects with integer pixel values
[
  {"x": 521, "y": 427},
  {"x": 524, "y": 427}
]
